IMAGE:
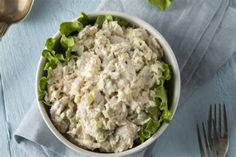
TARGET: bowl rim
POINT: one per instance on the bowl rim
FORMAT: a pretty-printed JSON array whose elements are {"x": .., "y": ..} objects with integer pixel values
[{"x": 177, "y": 87}]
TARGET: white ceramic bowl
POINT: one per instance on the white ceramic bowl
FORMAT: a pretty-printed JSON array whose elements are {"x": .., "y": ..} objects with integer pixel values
[{"x": 173, "y": 91}]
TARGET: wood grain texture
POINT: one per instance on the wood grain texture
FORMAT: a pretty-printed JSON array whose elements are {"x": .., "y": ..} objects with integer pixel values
[
  {"x": 4, "y": 133},
  {"x": 19, "y": 53}
]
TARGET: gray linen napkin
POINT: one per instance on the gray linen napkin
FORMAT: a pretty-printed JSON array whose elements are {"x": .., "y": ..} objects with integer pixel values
[{"x": 201, "y": 34}]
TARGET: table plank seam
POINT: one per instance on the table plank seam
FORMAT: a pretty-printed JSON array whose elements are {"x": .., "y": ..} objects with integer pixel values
[{"x": 5, "y": 117}]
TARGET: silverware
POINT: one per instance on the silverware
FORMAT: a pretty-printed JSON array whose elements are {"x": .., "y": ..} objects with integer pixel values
[
  {"x": 12, "y": 11},
  {"x": 214, "y": 141}
]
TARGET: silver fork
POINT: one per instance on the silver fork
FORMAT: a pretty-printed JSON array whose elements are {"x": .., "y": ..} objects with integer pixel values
[{"x": 214, "y": 142}]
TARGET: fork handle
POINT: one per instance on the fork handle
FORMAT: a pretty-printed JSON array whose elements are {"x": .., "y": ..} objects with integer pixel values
[{"x": 3, "y": 28}]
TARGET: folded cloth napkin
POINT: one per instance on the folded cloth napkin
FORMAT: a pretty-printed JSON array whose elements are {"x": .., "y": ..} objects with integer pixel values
[{"x": 201, "y": 34}]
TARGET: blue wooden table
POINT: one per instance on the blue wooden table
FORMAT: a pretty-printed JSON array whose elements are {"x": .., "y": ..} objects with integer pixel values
[{"x": 19, "y": 53}]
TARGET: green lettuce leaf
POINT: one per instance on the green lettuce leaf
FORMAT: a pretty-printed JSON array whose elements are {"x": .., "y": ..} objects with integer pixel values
[
  {"x": 84, "y": 19},
  {"x": 68, "y": 53},
  {"x": 161, "y": 94},
  {"x": 43, "y": 83},
  {"x": 153, "y": 112},
  {"x": 166, "y": 72},
  {"x": 166, "y": 115},
  {"x": 161, "y": 4},
  {"x": 60, "y": 57},
  {"x": 67, "y": 42},
  {"x": 42, "y": 90},
  {"x": 122, "y": 22},
  {"x": 50, "y": 56},
  {"x": 42, "y": 95},
  {"x": 100, "y": 20},
  {"x": 148, "y": 129},
  {"x": 159, "y": 113},
  {"x": 50, "y": 43},
  {"x": 66, "y": 28},
  {"x": 109, "y": 18}
]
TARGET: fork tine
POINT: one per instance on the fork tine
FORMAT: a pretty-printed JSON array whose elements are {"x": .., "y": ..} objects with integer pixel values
[
  {"x": 210, "y": 113},
  {"x": 216, "y": 138},
  {"x": 210, "y": 121},
  {"x": 209, "y": 134},
  {"x": 206, "y": 140},
  {"x": 209, "y": 125},
  {"x": 225, "y": 122},
  {"x": 215, "y": 135},
  {"x": 200, "y": 142},
  {"x": 214, "y": 114},
  {"x": 220, "y": 120}
]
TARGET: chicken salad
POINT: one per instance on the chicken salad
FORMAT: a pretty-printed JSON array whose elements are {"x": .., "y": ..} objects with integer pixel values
[{"x": 104, "y": 83}]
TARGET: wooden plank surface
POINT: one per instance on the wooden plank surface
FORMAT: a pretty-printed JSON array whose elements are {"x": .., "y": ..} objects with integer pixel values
[
  {"x": 19, "y": 53},
  {"x": 4, "y": 133}
]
